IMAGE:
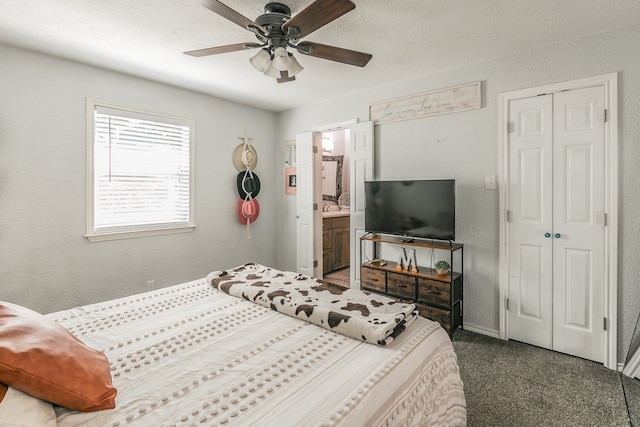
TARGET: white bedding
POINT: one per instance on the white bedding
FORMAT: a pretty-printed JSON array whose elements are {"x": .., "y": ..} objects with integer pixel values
[{"x": 191, "y": 355}]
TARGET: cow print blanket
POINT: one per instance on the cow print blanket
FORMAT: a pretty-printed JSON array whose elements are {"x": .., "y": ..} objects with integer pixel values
[{"x": 358, "y": 314}]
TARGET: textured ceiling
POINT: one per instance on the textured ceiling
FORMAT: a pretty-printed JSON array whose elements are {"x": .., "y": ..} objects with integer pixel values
[{"x": 406, "y": 37}]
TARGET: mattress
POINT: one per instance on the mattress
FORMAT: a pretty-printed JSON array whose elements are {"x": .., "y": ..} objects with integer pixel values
[{"x": 191, "y": 355}]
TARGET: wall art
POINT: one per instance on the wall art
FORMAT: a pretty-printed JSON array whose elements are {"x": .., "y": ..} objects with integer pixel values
[{"x": 442, "y": 101}]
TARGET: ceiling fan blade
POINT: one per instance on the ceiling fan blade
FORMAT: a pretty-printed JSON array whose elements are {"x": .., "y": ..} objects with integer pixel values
[
  {"x": 318, "y": 14},
  {"x": 233, "y": 16},
  {"x": 222, "y": 49},
  {"x": 333, "y": 53}
]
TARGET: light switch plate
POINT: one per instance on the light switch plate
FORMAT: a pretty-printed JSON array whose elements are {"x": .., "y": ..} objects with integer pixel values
[{"x": 490, "y": 182}]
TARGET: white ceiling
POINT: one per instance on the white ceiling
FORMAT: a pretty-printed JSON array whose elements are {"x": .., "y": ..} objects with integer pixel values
[{"x": 407, "y": 38}]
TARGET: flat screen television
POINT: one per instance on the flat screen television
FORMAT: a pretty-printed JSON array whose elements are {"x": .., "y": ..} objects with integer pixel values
[{"x": 416, "y": 208}]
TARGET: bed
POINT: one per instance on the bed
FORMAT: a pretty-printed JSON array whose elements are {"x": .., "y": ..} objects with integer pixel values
[{"x": 194, "y": 354}]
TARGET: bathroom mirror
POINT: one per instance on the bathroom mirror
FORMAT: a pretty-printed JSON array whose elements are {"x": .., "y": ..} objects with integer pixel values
[
  {"x": 630, "y": 381},
  {"x": 331, "y": 177}
]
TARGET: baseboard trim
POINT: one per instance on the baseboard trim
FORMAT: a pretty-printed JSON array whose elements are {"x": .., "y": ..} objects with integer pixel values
[{"x": 481, "y": 330}]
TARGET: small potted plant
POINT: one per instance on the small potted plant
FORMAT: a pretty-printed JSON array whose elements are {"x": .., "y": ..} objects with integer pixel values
[{"x": 442, "y": 267}]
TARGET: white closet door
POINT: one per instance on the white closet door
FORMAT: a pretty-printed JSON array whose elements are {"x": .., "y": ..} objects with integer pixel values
[
  {"x": 531, "y": 220},
  {"x": 556, "y": 222},
  {"x": 578, "y": 223}
]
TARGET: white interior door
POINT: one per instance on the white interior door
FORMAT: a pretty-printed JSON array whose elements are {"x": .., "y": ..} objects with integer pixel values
[
  {"x": 530, "y": 220},
  {"x": 306, "y": 204},
  {"x": 556, "y": 222},
  {"x": 578, "y": 223},
  {"x": 361, "y": 170}
]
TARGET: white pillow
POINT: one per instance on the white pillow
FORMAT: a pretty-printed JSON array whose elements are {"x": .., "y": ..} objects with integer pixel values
[{"x": 19, "y": 409}]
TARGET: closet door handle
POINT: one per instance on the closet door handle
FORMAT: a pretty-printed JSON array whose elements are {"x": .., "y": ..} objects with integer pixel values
[
  {"x": 557, "y": 235},
  {"x": 547, "y": 235}
]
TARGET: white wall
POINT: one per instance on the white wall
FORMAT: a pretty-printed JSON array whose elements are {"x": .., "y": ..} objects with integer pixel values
[
  {"x": 464, "y": 146},
  {"x": 45, "y": 262}
]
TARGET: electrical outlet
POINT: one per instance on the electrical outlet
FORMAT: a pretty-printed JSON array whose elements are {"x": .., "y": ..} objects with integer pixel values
[{"x": 151, "y": 285}]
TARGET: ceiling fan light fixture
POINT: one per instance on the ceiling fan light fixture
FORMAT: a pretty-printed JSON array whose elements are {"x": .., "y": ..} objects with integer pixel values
[
  {"x": 275, "y": 68},
  {"x": 271, "y": 71},
  {"x": 276, "y": 30},
  {"x": 281, "y": 59},
  {"x": 295, "y": 66},
  {"x": 261, "y": 60}
]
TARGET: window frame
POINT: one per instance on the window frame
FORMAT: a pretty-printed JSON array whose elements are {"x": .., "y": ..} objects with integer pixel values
[{"x": 144, "y": 231}]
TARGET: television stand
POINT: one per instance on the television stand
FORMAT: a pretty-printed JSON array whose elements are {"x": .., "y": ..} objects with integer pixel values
[{"x": 437, "y": 296}]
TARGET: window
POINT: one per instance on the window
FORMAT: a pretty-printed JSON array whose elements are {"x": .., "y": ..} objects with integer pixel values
[{"x": 139, "y": 173}]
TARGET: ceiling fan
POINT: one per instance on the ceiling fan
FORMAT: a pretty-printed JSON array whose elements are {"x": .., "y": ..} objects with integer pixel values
[{"x": 276, "y": 30}]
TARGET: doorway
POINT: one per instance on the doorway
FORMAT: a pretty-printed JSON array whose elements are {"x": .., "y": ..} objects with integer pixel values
[
  {"x": 309, "y": 196},
  {"x": 557, "y": 158},
  {"x": 334, "y": 183}
]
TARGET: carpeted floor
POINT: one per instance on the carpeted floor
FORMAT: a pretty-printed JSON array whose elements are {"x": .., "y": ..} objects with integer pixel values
[
  {"x": 508, "y": 383},
  {"x": 632, "y": 394}
]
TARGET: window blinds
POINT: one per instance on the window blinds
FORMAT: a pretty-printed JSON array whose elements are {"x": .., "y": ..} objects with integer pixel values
[{"x": 141, "y": 171}]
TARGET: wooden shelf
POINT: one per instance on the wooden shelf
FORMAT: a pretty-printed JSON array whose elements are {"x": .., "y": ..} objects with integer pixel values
[
  {"x": 435, "y": 244},
  {"x": 424, "y": 272},
  {"x": 437, "y": 297}
]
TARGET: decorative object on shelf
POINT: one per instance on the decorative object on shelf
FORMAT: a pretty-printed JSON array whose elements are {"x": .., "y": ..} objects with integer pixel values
[
  {"x": 449, "y": 100},
  {"x": 344, "y": 202},
  {"x": 442, "y": 267},
  {"x": 407, "y": 263},
  {"x": 400, "y": 264},
  {"x": 415, "y": 261},
  {"x": 290, "y": 181}
]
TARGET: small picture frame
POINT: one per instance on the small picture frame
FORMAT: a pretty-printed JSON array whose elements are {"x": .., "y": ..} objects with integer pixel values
[{"x": 290, "y": 181}]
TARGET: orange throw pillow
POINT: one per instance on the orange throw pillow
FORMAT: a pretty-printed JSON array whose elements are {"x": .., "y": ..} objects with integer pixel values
[
  {"x": 41, "y": 358},
  {"x": 3, "y": 391}
]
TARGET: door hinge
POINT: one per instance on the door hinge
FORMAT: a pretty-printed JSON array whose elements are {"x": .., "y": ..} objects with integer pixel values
[
  {"x": 506, "y": 303},
  {"x": 315, "y": 149},
  {"x": 508, "y": 216},
  {"x": 315, "y": 263},
  {"x": 508, "y": 127},
  {"x": 606, "y": 115},
  {"x": 315, "y": 206},
  {"x": 605, "y": 324},
  {"x": 605, "y": 219}
]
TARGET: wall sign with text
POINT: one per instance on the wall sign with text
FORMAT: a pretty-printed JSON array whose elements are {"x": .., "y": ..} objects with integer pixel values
[{"x": 442, "y": 101}]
